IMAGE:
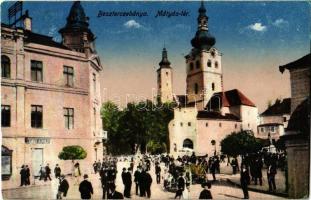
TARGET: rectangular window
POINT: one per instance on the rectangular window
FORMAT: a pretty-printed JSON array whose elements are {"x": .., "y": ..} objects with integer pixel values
[
  {"x": 284, "y": 119},
  {"x": 206, "y": 124},
  {"x": 219, "y": 124},
  {"x": 262, "y": 129},
  {"x": 5, "y": 116},
  {"x": 272, "y": 129},
  {"x": 68, "y": 76},
  {"x": 189, "y": 123},
  {"x": 94, "y": 83},
  {"x": 69, "y": 118},
  {"x": 36, "y": 71},
  {"x": 36, "y": 116},
  {"x": 181, "y": 124},
  {"x": 235, "y": 126}
]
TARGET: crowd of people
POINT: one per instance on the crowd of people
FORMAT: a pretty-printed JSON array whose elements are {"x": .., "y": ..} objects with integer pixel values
[{"x": 175, "y": 174}]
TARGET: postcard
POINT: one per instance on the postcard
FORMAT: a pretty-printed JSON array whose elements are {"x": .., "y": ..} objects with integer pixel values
[{"x": 155, "y": 99}]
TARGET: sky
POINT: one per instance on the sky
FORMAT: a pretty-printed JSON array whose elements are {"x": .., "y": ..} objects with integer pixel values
[{"x": 254, "y": 37}]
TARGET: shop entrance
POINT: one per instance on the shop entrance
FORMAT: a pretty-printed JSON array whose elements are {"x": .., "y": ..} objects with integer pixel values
[{"x": 37, "y": 160}]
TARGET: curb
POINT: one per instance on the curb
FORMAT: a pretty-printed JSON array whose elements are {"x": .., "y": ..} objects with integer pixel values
[{"x": 261, "y": 191}]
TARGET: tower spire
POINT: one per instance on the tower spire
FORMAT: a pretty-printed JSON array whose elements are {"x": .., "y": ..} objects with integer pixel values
[
  {"x": 164, "y": 61},
  {"x": 203, "y": 39}
]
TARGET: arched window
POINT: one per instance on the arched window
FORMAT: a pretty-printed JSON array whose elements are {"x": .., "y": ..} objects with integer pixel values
[
  {"x": 209, "y": 63},
  {"x": 196, "y": 88},
  {"x": 187, "y": 144},
  {"x": 197, "y": 64},
  {"x": 5, "y": 67},
  {"x": 191, "y": 66},
  {"x": 216, "y": 64},
  {"x": 213, "y": 86},
  {"x": 213, "y": 54}
]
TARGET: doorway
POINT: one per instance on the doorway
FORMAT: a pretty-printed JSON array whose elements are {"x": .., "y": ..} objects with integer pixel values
[{"x": 37, "y": 160}]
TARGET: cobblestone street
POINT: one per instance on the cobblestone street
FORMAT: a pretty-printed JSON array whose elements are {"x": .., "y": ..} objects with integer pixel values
[{"x": 221, "y": 190}]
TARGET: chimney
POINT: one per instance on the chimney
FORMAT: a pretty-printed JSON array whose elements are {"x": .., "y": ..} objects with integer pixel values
[{"x": 27, "y": 21}]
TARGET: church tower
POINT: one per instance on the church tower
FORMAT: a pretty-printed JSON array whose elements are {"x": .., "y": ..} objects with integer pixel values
[
  {"x": 165, "y": 90},
  {"x": 76, "y": 34},
  {"x": 203, "y": 64}
]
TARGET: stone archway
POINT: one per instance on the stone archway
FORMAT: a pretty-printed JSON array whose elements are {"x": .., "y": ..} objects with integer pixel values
[{"x": 187, "y": 144}]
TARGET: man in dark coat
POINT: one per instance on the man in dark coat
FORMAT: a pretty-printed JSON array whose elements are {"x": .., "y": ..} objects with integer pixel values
[
  {"x": 271, "y": 172},
  {"x": 104, "y": 180},
  {"x": 114, "y": 194},
  {"x": 158, "y": 173},
  {"x": 258, "y": 170},
  {"x": 63, "y": 187},
  {"x": 142, "y": 183},
  {"x": 206, "y": 193},
  {"x": 180, "y": 186},
  {"x": 86, "y": 188},
  {"x": 57, "y": 171},
  {"x": 23, "y": 175},
  {"x": 128, "y": 183},
  {"x": 47, "y": 172},
  {"x": 148, "y": 182},
  {"x": 245, "y": 179},
  {"x": 95, "y": 167},
  {"x": 137, "y": 178},
  {"x": 27, "y": 175},
  {"x": 123, "y": 176}
]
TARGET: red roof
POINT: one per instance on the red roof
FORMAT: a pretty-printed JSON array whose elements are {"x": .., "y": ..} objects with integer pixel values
[{"x": 232, "y": 98}]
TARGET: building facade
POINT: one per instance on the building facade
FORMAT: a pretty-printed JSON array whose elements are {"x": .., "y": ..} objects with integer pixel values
[
  {"x": 274, "y": 120},
  {"x": 207, "y": 113},
  {"x": 50, "y": 96},
  {"x": 297, "y": 133}
]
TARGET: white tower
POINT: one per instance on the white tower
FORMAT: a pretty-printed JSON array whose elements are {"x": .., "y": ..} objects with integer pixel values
[
  {"x": 165, "y": 83},
  {"x": 204, "y": 72}
]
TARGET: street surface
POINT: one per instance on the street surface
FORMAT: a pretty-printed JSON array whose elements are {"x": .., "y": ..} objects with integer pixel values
[{"x": 220, "y": 190}]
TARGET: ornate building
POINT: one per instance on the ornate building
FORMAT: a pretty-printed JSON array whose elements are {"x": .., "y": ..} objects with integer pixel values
[
  {"x": 207, "y": 113},
  {"x": 50, "y": 96}
]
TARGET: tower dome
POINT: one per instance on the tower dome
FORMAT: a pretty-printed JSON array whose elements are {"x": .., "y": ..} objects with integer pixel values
[
  {"x": 203, "y": 39},
  {"x": 77, "y": 17}
]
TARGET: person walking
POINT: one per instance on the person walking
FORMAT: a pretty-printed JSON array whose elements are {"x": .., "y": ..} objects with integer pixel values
[
  {"x": 206, "y": 193},
  {"x": 137, "y": 178},
  {"x": 27, "y": 175},
  {"x": 142, "y": 183},
  {"x": 158, "y": 173},
  {"x": 128, "y": 183},
  {"x": 95, "y": 166},
  {"x": 77, "y": 173},
  {"x": 104, "y": 181},
  {"x": 57, "y": 171},
  {"x": 271, "y": 172},
  {"x": 244, "y": 179},
  {"x": 86, "y": 188},
  {"x": 42, "y": 172},
  {"x": 180, "y": 186},
  {"x": 114, "y": 194},
  {"x": 23, "y": 175},
  {"x": 47, "y": 173},
  {"x": 63, "y": 187},
  {"x": 123, "y": 176},
  {"x": 148, "y": 181}
]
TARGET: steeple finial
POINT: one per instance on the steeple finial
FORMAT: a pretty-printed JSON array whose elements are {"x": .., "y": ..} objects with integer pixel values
[{"x": 164, "y": 60}]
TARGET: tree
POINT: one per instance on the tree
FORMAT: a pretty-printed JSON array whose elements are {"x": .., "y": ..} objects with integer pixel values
[
  {"x": 240, "y": 143},
  {"x": 74, "y": 152},
  {"x": 144, "y": 124}
]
